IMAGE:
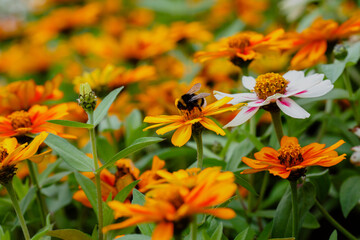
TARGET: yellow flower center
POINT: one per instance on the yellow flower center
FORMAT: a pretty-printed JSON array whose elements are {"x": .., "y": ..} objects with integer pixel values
[
  {"x": 3, "y": 153},
  {"x": 239, "y": 42},
  {"x": 269, "y": 84},
  {"x": 190, "y": 115},
  {"x": 290, "y": 155},
  {"x": 20, "y": 119}
]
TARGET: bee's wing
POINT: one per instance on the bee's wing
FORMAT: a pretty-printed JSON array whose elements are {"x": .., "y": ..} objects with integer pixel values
[
  {"x": 198, "y": 96},
  {"x": 194, "y": 88}
]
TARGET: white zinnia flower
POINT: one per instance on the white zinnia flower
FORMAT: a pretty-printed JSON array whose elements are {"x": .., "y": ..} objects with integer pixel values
[{"x": 271, "y": 88}]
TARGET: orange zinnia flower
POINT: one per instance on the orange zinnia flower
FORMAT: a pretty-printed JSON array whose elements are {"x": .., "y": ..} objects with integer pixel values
[
  {"x": 245, "y": 47},
  {"x": 172, "y": 205},
  {"x": 11, "y": 153},
  {"x": 313, "y": 41},
  {"x": 21, "y": 95},
  {"x": 33, "y": 121},
  {"x": 291, "y": 160},
  {"x": 185, "y": 122}
]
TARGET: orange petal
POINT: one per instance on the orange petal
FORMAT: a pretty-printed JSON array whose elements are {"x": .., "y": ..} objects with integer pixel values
[{"x": 163, "y": 231}]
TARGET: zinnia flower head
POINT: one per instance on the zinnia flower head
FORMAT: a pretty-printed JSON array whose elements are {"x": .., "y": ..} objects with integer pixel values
[
  {"x": 11, "y": 153},
  {"x": 34, "y": 121},
  {"x": 172, "y": 206},
  {"x": 245, "y": 47},
  {"x": 291, "y": 160},
  {"x": 193, "y": 116},
  {"x": 272, "y": 92}
]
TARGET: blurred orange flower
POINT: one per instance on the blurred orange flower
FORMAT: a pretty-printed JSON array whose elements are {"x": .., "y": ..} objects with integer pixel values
[
  {"x": 291, "y": 160},
  {"x": 172, "y": 207},
  {"x": 21, "y": 95}
]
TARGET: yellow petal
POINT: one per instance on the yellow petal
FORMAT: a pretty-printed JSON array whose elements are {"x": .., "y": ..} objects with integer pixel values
[
  {"x": 162, "y": 119},
  {"x": 182, "y": 135},
  {"x": 169, "y": 128},
  {"x": 216, "y": 105},
  {"x": 211, "y": 125}
]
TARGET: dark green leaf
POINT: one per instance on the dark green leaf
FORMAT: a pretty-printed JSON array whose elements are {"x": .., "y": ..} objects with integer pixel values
[
  {"x": 122, "y": 195},
  {"x": 103, "y": 108},
  {"x": 69, "y": 234},
  {"x": 139, "y": 198},
  {"x": 265, "y": 234},
  {"x": 71, "y": 155},
  {"x": 322, "y": 183},
  {"x": 136, "y": 146},
  {"x": 349, "y": 194},
  {"x": 242, "y": 182},
  {"x": 134, "y": 237},
  {"x": 89, "y": 188},
  {"x": 333, "y": 236},
  {"x": 282, "y": 221},
  {"x": 68, "y": 123},
  {"x": 218, "y": 232},
  {"x": 310, "y": 221},
  {"x": 247, "y": 234}
]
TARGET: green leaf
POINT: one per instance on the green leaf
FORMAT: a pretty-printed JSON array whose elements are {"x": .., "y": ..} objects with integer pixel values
[
  {"x": 247, "y": 234},
  {"x": 122, "y": 195},
  {"x": 133, "y": 127},
  {"x": 44, "y": 230},
  {"x": 334, "y": 235},
  {"x": 310, "y": 221},
  {"x": 218, "y": 232},
  {"x": 69, "y": 234},
  {"x": 112, "y": 123},
  {"x": 68, "y": 123},
  {"x": 134, "y": 237},
  {"x": 254, "y": 140},
  {"x": 333, "y": 71},
  {"x": 265, "y": 234},
  {"x": 139, "y": 198},
  {"x": 322, "y": 184},
  {"x": 89, "y": 188},
  {"x": 349, "y": 194},
  {"x": 71, "y": 155},
  {"x": 136, "y": 146},
  {"x": 242, "y": 182},
  {"x": 282, "y": 221},
  {"x": 103, "y": 108}
]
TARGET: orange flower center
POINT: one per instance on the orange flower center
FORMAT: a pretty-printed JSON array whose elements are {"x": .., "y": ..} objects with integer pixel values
[
  {"x": 20, "y": 119},
  {"x": 193, "y": 114},
  {"x": 269, "y": 84},
  {"x": 239, "y": 42},
  {"x": 290, "y": 155},
  {"x": 3, "y": 153}
]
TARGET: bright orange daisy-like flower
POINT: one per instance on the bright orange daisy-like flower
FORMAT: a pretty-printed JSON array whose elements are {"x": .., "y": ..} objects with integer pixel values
[
  {"x": 11, "y": 153},
  {"x": 245, "y": 47},
  {"x": 33, "y": 121},
  {"x": 172, "y": 206},
  {"x": 314, "y": 41},
  {"x": 185, "y": 122},
  {"x": 21, "y": 95},
  {"x": 291, "y": 160}
]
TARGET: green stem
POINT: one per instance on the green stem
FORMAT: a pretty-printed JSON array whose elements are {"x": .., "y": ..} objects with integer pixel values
[
  {"x": 276, "y": 119},
  {"x": 333, "y": 222},
  {"x": 193, "y": 229},
  {"x": 245, "y": 71},
  {"x": 97, "y": 176},
  {"x": 39, "y": 197},
  {"x": 295, "y": 211},
  {"x": 198, "y": 139},
  {"x": 10, "y": 189},
  {"x": 348, "y": 86}
]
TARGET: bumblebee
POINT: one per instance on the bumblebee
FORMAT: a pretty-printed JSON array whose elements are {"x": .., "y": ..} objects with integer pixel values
[{"x": 191, "y": 100}]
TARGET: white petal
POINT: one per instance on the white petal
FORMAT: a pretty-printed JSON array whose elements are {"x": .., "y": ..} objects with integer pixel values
[
  {"x": 293, "y": 75},
  {"x": 291, "y": 108},
  {"x": 248, "y": 82},
  {"x": 245, "y": 114},
  {"x": 304, "y": 84},
  {"x": 356, "y": 148},
  {"x": 316, "y": 91},
  {"x": 238, "y": 97}
]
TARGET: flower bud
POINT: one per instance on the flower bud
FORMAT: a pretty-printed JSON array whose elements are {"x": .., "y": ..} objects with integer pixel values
[
  {"x": 340, "y": 51},
  {"x": 87, "y": 98}
]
